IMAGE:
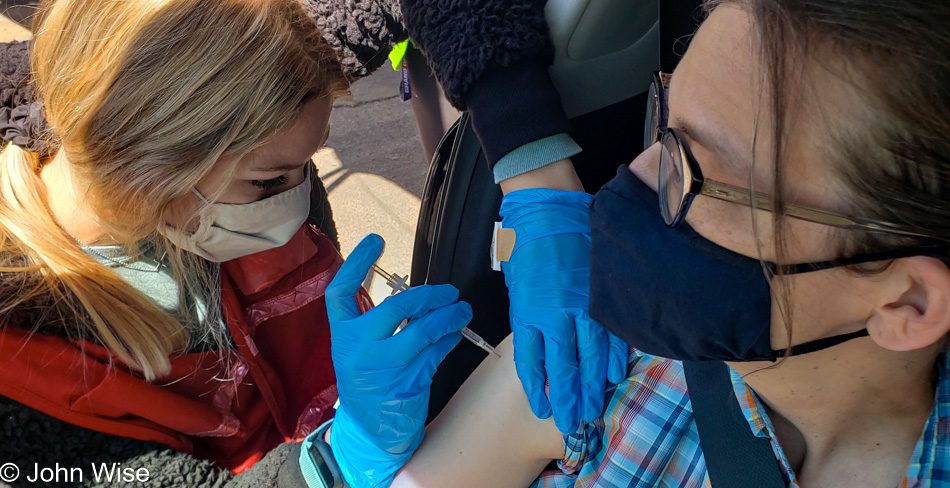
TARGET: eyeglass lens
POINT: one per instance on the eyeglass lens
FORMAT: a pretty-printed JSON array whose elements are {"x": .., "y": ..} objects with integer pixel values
[{"x": 671, "y": 184}]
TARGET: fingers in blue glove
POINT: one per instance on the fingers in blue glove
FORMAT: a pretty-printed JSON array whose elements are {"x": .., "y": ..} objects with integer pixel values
[
  {"x": 434, "y": 326},
  {"x": 437, "y": 334},
  {"x": 341, "y": 293},
  {"x": 592, "y": 353},
  {"x": 529, "y": 364},
  {"x": 560, "y": 362},
  {"x": 383, "y": 320},
  {"x": 617, "y": 364}
]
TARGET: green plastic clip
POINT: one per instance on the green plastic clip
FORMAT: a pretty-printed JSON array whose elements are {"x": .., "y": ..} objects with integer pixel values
[{"x": 398, "y": 54}]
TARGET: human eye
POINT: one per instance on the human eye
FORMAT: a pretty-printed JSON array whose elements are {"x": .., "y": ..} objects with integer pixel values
[{"x": 271, "y": 183}]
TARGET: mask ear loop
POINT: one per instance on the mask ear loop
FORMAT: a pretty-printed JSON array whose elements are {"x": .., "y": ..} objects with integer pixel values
[
  {"x": 791, "y": 269},
  {"x": 820, "y": 344}
]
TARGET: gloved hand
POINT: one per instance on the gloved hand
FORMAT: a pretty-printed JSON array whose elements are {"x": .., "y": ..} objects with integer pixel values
[
  {"x": 384, "y": 379},
  {"x": 548, "y": 278}
]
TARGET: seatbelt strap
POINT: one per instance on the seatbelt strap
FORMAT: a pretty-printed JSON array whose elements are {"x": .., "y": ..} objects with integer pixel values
[{"x": 735, "y": 457}]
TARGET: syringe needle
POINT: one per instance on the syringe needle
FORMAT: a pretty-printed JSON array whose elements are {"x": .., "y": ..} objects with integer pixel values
[
  {"x": 478, "y": 341},
  {"x": 398, "y": 284}
]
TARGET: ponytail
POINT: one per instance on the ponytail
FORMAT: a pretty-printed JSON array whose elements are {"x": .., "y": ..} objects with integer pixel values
[{"x": 112, "y": 312}]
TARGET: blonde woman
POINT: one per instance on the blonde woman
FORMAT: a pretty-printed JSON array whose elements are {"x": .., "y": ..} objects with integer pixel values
[
  {"x": 162, "y": 313},
  {"x": 162, "y": 309}
]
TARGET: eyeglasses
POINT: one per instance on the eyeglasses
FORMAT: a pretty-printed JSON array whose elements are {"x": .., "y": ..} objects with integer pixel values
[{"x": 681, "y": 180}]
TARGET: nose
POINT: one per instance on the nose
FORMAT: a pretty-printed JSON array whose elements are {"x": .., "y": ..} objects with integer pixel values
[{"x": 647, "y": 165}]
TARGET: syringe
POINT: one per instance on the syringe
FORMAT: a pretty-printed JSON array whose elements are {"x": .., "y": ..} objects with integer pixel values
[{"x": 400, "y": 283}]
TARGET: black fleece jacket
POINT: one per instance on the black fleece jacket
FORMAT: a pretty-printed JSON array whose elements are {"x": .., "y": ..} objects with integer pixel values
[
  {"x": 492, "y": 58},
  {"x": 487, "y": 60}
]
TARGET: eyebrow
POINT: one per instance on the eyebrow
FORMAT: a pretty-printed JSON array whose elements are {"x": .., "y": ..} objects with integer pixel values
[{"x": 716, "y": 142}]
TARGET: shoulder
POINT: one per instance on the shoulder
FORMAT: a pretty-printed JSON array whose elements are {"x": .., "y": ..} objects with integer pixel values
[
  {"x": 647, "y": 437},
  {"x": 654, "y": 386},
  {"x": 651, "y": 417},
  {"x": 487, "y": 423}
]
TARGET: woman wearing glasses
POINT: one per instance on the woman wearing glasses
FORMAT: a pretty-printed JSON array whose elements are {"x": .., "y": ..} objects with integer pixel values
[{"x": 789, "y": 218}]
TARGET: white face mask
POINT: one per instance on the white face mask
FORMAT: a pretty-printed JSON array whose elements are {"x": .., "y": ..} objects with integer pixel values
[{"x": 229, "y": 231}]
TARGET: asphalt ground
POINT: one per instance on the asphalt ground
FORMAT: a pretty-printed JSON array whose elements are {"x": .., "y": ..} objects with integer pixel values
[
  {"x": 375, "y": 169},
  {"x": 373, "y": 164}
]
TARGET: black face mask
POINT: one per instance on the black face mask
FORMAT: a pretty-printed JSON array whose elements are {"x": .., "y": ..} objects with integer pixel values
[{"x": 671, "y": 292}]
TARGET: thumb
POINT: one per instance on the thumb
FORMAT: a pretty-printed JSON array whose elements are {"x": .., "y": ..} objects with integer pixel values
[{"x": 341, "y": 293}]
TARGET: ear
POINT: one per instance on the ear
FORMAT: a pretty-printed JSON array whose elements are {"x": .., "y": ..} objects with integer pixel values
[{"x": 918, "y": 315}]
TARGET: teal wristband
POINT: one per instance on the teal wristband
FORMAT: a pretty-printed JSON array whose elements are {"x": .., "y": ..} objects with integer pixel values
[
  {"x": 317, "y": 464},
  {"x": 534, "y": 155}
]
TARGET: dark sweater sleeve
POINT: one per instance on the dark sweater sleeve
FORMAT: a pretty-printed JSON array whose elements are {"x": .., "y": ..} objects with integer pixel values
[
  {"x": 29, "y": 438},
  {"x": 491, "y": 57},
  {"x": 361, "y": 31}
]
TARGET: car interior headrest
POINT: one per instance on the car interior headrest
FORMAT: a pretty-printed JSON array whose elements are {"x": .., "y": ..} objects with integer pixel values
[{"x": 606, "y": 50}]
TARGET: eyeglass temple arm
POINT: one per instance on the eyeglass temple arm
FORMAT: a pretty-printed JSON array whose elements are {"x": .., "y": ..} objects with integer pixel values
[{"x": 729, "y": 193}]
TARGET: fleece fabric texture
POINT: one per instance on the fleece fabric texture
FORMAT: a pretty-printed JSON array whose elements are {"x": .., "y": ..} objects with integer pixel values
[
  {"x": 362, "y": 31},
  {"x": 462, "y": 40},
  {"x": 32, "y": 438},
  {"x": 491, "y": 57}
]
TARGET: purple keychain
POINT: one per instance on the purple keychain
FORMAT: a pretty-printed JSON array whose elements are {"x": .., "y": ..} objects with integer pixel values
[{"x": 405, "y": 86}]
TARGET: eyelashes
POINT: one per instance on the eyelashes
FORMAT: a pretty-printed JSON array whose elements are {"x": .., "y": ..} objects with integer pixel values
[{"x": 271, "y": 183}]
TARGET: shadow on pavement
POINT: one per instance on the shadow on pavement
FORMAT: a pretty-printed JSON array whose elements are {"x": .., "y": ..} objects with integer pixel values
[{"x": 375, "y": 132}]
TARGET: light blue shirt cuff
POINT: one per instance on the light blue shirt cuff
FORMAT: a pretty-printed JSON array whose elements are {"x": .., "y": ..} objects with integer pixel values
[{"x": 534, "y": 155}]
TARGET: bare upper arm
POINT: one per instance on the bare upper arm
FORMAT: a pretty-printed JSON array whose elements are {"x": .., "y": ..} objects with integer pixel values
[{"x": 486, "y": 436}]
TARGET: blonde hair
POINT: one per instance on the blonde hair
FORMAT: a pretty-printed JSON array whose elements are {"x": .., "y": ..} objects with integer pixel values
[{"x": 144, "y": 96}]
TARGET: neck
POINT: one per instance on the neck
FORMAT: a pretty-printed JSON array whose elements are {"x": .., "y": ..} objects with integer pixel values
[
  {"x": 847, "y": 412},
  {"x": 66, "y": 199}
]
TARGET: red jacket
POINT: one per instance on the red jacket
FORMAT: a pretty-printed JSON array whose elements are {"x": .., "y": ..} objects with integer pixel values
[{"x": 229, "y": 406}]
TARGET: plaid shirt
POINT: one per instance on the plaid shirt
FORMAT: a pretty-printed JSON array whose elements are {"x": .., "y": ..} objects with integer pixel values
[{"x": 648, "y": 438}]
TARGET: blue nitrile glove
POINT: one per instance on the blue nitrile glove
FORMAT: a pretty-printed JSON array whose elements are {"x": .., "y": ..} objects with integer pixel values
[
  {"x": 384, "y": 379},
  {"x": 548, "y": 278}
]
